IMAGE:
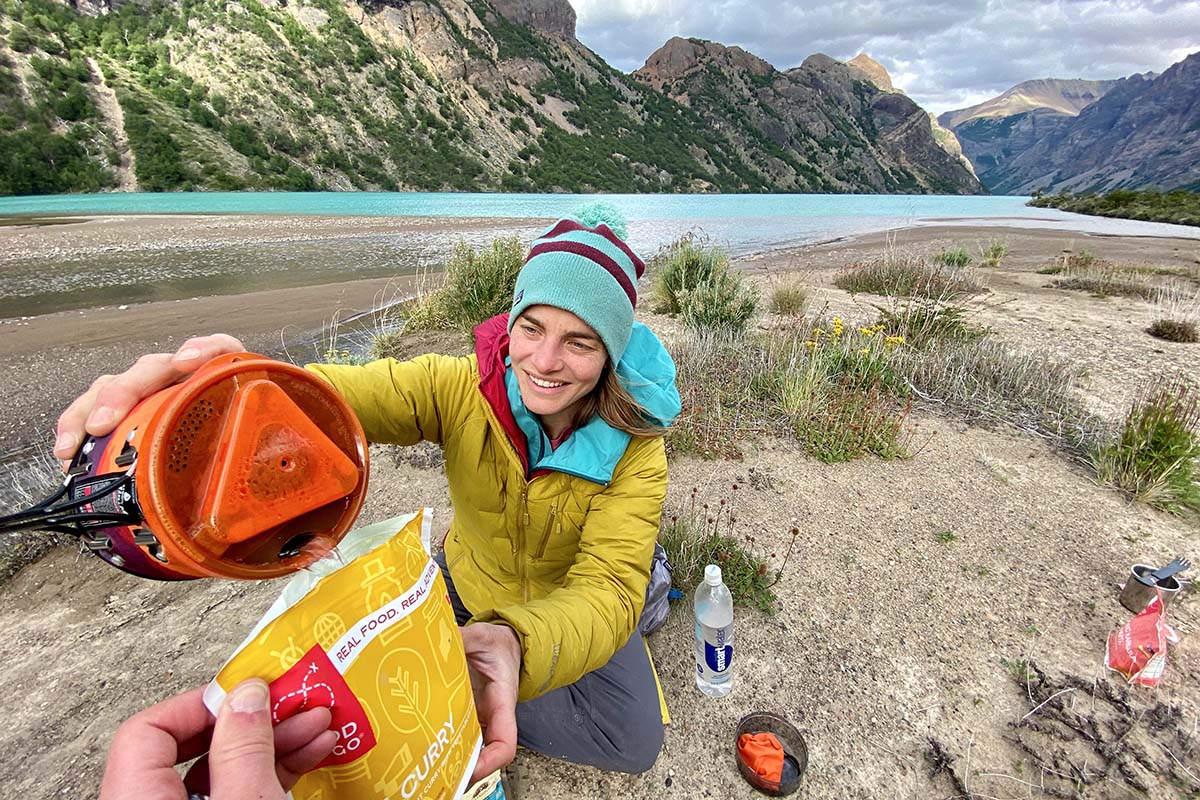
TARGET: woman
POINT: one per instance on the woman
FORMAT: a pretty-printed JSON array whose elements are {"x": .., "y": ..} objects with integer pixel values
[{"x": 552, "y": 432}]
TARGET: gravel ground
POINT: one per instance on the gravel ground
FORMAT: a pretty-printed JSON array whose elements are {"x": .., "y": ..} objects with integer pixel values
[{"x": 908, "y": 658}]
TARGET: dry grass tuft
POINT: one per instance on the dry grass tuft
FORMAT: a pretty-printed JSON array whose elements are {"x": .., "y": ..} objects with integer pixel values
[
  {"x": 789, "y": 299},
  {"x": 1104, "y": 279},
  {"x": 992, "y": 382},
  {"x": 907, "y": 277},
  {"x": 1176, "y": 314}
]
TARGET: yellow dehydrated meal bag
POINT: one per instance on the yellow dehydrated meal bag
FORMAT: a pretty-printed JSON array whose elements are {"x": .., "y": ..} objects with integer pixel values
[{"x": 369, "y": 633}]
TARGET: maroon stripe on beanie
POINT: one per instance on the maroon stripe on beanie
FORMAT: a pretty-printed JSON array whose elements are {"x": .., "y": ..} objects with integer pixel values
[
  {"x": 565, "y": 225},
  {"x": 591, "y": 254},
  {"x": 639, "y": 266}
]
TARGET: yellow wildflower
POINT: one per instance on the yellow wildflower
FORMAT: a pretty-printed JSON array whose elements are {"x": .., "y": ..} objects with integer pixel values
[
  {"x": 867, "y": 331},
  {"x": 810, "y": 344},
  {"x": 837, "y": 326},
  {"x": 892, "y": 341},
  {"x": 864, "y": 351}
]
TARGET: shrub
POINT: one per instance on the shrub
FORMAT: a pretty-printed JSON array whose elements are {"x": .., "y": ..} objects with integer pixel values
[
  {"x": 702, "y": 534},
  {"x": 685, "y": 264},
  {"x": 692, "y": 279},
  {"x": 906, "y": 277},
  {"x": 478, "y": 285},
  {"x": 993, "y": 253},
  {"x": 724, "y": 302},
  {"x": 1154, "y": 456},
  {"x": 845, "y": 400},
  {"x": 789, "y": 299},
  {"x": 841, "y": 422},
  {"x": 952, "y": 257},
  {"x": 1173, "y": 330},
  {"x": 1176, "y": 313}
]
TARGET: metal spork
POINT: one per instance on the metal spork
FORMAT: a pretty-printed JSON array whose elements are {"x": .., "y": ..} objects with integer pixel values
[{"x": 1178, "y": 565}]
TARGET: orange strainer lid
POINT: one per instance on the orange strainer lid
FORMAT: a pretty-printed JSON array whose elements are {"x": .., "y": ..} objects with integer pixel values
[{"x": 255, "y": 468}]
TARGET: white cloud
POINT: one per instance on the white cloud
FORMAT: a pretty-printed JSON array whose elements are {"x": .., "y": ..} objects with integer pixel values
[{"x": 945, "y": 54}]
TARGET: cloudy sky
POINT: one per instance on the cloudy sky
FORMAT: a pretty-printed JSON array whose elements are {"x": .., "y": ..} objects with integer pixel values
[{"x": 946, "y": 54}]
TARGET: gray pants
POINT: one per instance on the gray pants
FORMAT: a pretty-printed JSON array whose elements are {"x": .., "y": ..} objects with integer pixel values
[{"x": 608, "y": 719}]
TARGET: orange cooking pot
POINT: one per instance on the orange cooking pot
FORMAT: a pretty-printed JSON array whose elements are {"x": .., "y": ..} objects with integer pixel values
[{"x": 249, "y": 468}]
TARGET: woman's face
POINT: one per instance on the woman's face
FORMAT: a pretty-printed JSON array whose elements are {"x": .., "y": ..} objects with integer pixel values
[{"x": 557, "y": 359}]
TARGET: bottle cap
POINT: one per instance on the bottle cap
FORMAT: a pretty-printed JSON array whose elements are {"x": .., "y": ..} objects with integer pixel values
[{"x": 712, "y": 575}]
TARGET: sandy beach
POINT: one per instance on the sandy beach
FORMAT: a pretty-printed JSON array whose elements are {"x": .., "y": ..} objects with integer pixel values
[{"x": 897, "y": 650}]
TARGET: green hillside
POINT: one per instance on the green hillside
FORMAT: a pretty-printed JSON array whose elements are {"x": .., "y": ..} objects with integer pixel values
[{"x": 177, "y": 95}]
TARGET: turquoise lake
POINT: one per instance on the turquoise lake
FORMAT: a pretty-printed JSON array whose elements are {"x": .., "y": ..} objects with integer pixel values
[{"x": 741, "y": 223}]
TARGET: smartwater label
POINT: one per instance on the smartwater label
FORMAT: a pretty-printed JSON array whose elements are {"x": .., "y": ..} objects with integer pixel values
[{"x": 716, "y": 646}]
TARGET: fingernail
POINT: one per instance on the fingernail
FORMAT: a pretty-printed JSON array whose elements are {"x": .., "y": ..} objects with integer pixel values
[
  {"x": 66, "y": 442},
  {"x": 187, "y": 354},
  {"x": 101, "y": 416},
  {"x": 250, "y": 697}
]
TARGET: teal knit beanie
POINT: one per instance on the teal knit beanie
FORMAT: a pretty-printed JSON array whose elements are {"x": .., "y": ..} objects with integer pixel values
[{"x": 585, "y": 267}]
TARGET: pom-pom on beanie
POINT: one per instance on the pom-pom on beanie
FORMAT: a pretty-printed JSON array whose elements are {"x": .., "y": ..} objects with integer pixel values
[{"x": 582, "y": 264}]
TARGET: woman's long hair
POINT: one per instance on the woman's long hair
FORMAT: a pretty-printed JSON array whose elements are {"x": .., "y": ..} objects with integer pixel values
[{"x": 616, "y": 406}]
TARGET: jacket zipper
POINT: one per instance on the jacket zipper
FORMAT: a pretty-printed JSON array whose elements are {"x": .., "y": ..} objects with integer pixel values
[{"x": 518, "y": 546}]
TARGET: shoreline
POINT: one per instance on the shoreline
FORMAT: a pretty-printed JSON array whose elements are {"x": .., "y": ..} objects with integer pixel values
[{"x": 51, "y": 358}]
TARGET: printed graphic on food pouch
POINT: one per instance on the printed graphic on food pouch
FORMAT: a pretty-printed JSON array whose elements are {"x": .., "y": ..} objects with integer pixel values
[{"x": 374, "y": 641}]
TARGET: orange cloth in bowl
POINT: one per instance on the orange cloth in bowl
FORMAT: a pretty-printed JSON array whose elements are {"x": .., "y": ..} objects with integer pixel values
[{"x": 763, "y": 753}]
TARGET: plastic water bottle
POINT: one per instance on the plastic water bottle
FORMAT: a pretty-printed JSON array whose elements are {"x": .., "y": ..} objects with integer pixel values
[{"x": 714, "y": 634}]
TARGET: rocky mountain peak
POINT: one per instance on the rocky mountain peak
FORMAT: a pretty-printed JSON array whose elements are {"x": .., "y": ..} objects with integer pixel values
[
  {"x": 546, "y": 16},
  {"x": 1051, "y": 94},
  {"x": 876, "y": 73},
  {"x": 680, "y": 57}
]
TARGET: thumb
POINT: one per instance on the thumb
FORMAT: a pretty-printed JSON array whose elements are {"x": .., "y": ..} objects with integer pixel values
[{"x": 241, "y": 760}]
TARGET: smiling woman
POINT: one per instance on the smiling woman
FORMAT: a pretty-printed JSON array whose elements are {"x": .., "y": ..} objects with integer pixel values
[
  {"x": 557, "y": 360},
  {"x": 552, "y": 431}
]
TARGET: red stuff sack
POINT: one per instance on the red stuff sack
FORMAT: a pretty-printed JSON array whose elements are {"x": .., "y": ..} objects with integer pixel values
[{"x": 1138, "y": 649}]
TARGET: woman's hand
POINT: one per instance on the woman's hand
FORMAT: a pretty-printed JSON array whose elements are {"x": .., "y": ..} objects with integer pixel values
[
  {"x": 246, "y": 757},
  {"x": 494, "y": 660},
  {"x": 111, "y": 397}
]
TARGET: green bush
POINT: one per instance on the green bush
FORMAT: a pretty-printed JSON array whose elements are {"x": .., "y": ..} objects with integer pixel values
[
  {"x": 478, "y": 285},
  {"x": 685, "y": 264},
  {"x": 832, "y": 388},
  {"x": 952, "y": 257},
  {"x": 993, "y": 253},
  {"x": 693, "y": 280},
  {"x": 724, "y": 302},
  {"x": 1154, "y": 457},
  {"x": 922, "y": 322}
]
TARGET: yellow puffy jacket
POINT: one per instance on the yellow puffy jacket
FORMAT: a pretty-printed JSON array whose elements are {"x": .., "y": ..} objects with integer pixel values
[{"x": 561, "y": 559}]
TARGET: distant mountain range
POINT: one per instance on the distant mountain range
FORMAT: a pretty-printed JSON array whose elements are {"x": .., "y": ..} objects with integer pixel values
[
  {"x": 1080, "y": 136},
  {"x": 488, "y": 95}
]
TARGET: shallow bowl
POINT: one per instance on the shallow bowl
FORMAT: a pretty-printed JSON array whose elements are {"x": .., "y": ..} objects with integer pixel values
[{"x": 794, "y": 747}]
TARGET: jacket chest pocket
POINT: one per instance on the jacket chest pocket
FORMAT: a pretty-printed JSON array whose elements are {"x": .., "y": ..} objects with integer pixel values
[{"x": 552, "y": 526}]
